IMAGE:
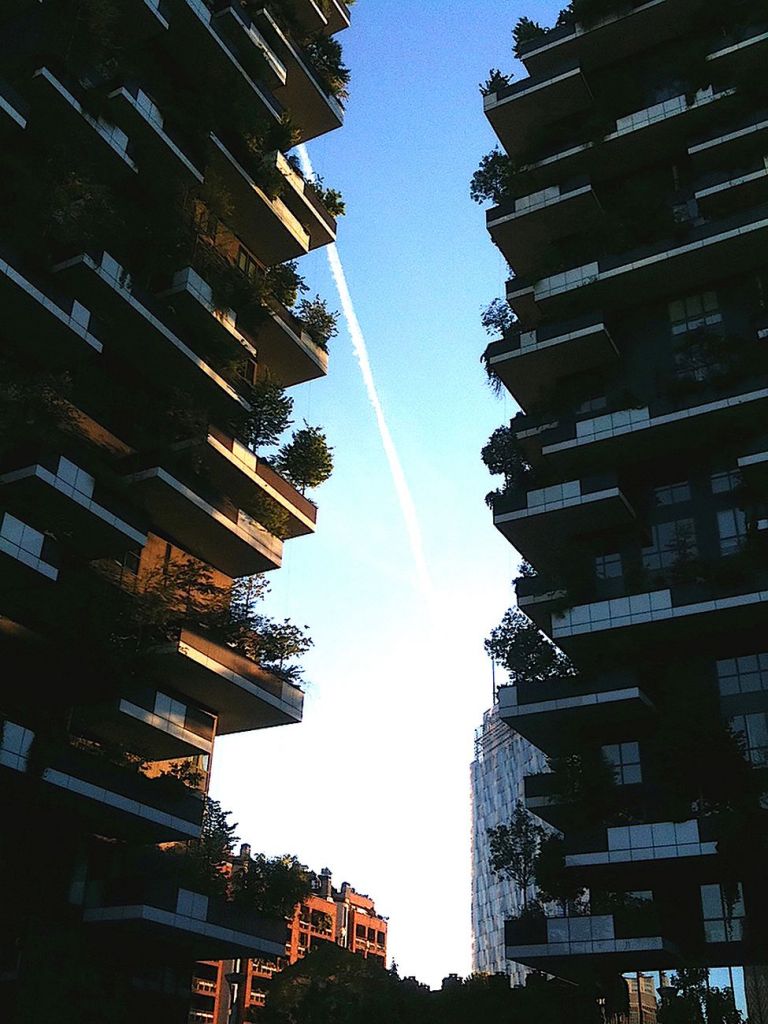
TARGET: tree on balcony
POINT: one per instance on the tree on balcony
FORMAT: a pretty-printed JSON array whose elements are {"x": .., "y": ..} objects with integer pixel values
[
  {"x": 306, "y": 460},
  {"x": 272, "y": 886},
  {"x": 270, "y": 413},
  {"x": 317, "y": 320},
  {"x": 514, "y": 849},
  {"x": 523, "y": 650}
]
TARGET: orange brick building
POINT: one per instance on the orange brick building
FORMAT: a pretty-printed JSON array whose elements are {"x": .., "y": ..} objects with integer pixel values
[{"x": 342, "y": 916}]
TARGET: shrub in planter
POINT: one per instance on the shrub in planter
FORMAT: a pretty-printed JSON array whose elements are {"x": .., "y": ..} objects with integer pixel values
[{"x": 317, "y": 320}]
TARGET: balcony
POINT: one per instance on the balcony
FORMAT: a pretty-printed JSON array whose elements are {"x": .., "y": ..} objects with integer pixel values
[
  {"x": 137, "y": 327},
  {"x": 221, "y": 535},
  {"x": 244, "y": 695},
  {"x": 566, "y": 946},
  {"x": 643, "y": 274},
  {"x": 147, "y": 720},
  {"x": 191, "y": 299},
  {"x": 689, "y": 844},
  {"x": 155, "y": 914},
  {"x": 120, "y": 801},
  {"x": 277, "y": 229},
  {"x": 719, "y": 192},
  {"x": 135, "y": 111},
  {"x": 338, "y": 16},
  {"x": 548, "y": 713},
  {"x": 637, "y": 26},
  {"x": 635, "y": 140},
  {"x": 744, "y": 142},
  {"x": 64, "y": 500},
  {"x": 529, "y": 519},
  {"x": 313, "y": 110},
  {"x": 237, "y": 472},
  {"x": 13, "y": 113},
  {"x": 530, "y": 363},
  {"x": 747, "y": 48},
  {"x": 691, "y": 615},
  {"x": 193, "y": 40},
  {"x": 254, "y": 52},
  {"x": 30, "y": 557},
  {"x": 61, "y": 328},
  {"x": 543, "y": 798},
  {"x": 288, "y": 350},
  {"x": 517, "y": 109},
  {"x": 58, "y": 116},
  {"x": 522, "y": 228}
]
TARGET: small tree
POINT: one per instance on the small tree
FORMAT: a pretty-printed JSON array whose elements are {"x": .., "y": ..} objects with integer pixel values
[
  {"x": 552, "y": 880},
  {"x": 306, "y": 461},
  {"x": 206, "y": 857},
  {"x": 270, "y": 413},
  {"x": 272, "y": 885},
  {"x": 503, "y": 456},
  {"x": 524, "y": 31},
  {"x": 495, "y": 81},
  {"x": 492, "y": 181},
  {"x": 497, "y": 318},
  {"x": 317, "y": 320},
  {"x": 518, "y": 646},
  {"x": 515, "y": 848}
]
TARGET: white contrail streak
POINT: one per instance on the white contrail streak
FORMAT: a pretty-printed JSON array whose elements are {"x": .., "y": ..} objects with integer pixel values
[{"x": 360, "y": 348}]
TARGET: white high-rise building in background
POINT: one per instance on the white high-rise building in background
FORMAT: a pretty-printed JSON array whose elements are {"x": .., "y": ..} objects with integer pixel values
[{"x": 502, "y": 759}]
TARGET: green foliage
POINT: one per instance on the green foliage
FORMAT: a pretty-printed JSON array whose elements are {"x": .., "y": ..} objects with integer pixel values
[
  {"x": 504, "y": 456},
  {"x": 272, "y": 885},
  {"x": 32, "y": 407},
  {"x": 205, "y": 858},
  {"x": 689, "y": 999},
  {"x": 514, "y": 849},
  {"x": 585, "y": 784},
  {"x": 306, "y": 460},
  {"x": 524, "y": 31},
  {"x": 284, "y": 283},
  {"x": 497, "y": 318},
  {"x": 492, "y": 181},
  {"x": 553, "y": 881},
  {"x": 519, "y": 647},
  {"x": 325, "y": 56},
  {"x": 331, "y": 198},
  {"x": 270, "y": 413},
  {"x": 317, "y": 320},
  {"x": 495, "y": 82}
]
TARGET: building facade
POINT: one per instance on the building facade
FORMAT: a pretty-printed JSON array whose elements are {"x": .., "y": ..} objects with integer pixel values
[
  {"x": 149, "y": 317},
  {"x": 237, "y": 990},
  {"x": 634, "y": 219},
  {"x": 502, "y": 760}
]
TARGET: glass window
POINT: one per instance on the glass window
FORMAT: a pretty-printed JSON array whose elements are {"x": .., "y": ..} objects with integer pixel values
[
  {"x": 673, "y": 543},
  {"x": 625, "y": 761},
  {"x": 22, "y": 536},
  {"x": 754, "y": 729},
  {"x": 671, "y": 494},
  {"x": 247, "y": 263},
  {"x": 723, "y": 922},
  {"x": 722, "y": 483},
  {"x": 732, "y": 527},
  {"x": 694, "y": 311},
  {"x": 608, "y": 567},
  {"x": 742, "y": 675}
]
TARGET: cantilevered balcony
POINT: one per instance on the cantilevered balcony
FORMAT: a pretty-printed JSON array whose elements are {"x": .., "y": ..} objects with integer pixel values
[
  {"x": 314, "y": 110},
  {"x": 617, "y": 281},
  {"x": 523, "y": 227},
  {"x": 292, "y": 355},
  {"x": 137, "y": 325},
  {"x": 145, "y": 719},
  {"x": 61, "y": 498},
  {"x": 256, "y": 55},
  {"x": 689, "y": 845},
  {"x": 148, "y": 914},
  {"x": 543, "y": 797},
  {"x": 690, "y": 616},
  {"x": 123, "y": 803},
  {"x": 60, "y": 327},
  {"x": 238, "y": 473},
  {"x": 278, "y": 229},
  {"x": 220, "y": 534},
  {"x": 530, "y": 363},
  {"x": 156, "y": 151},
  {"x": 14, "y": 112},
  {"x": 338, "y": 15},
  {"x": 632, "y": 28},
  {"x": 719, "y": 192},
  {"x": 741, "y": 143},
  {"x": 668, "y": 424},
  {"x": 195, "y": 40},
  {"x": 192, "y": 301},
  {"x": 245, "y": 696},
  {"x": 517, "y": 109},
  {"x": 549, "y": 713},
  {"x": 27, "y": 556},
  {"x": 635, "y": 140},
  {"x": 529, "y": 519},
  {"x": 566, "y": 946},
  {"x": 745, "y": 49},
  {"x": 56, "y": 114}
]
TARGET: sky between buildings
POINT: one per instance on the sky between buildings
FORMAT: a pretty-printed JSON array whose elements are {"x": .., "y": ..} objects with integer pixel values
[{"x": 375, "y": 783}]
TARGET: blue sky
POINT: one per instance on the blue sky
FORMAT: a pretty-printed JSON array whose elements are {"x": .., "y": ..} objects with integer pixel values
[{"x": 374, "y": 783}]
